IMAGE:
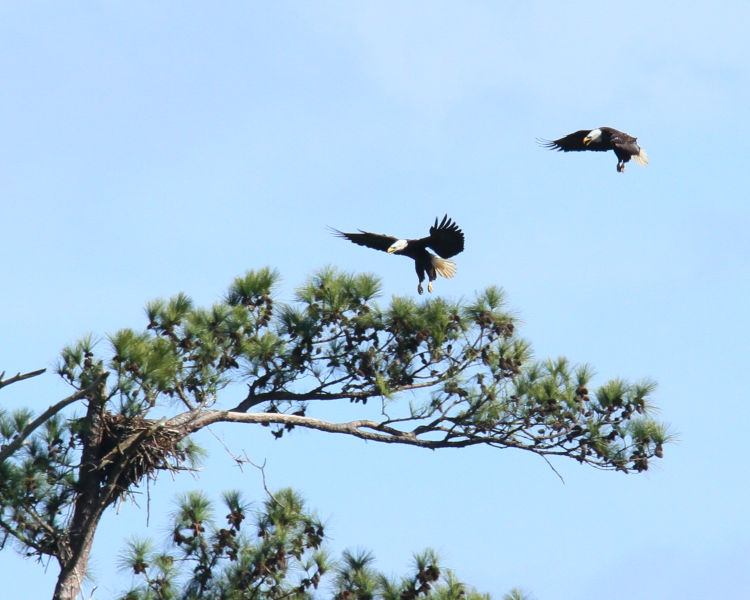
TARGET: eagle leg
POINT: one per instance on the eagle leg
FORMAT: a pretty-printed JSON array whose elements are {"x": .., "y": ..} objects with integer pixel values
[
  {"x": 429, "y": 287},
  {"x": 621, "y": 167},
  {"x": 420, "y": 289}
]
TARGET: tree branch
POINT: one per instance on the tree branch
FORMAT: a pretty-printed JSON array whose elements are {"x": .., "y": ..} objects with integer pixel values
[
  {"x": 378, "y": 432},
  {"x": 10, "y": 530},
  {"x": 19, "y": 377},
  {"x": 19, "y": 438},
  {"x": 364, "y": 429},
  {"x": 255, "y": 399}
]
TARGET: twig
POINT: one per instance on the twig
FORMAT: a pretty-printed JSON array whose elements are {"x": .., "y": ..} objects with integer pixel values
[
  {"x": 19, "y": 377},
  {"x": 549, "y": 464},
  {"x": 240, "y": 461},
  {"x": 262, "y": 469},
  {"x": 234, "y": 457}
]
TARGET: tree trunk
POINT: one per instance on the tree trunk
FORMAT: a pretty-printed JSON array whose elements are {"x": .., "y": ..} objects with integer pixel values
[
  {"x": 93, "y": 499},
  {"x": 71, "y": 575}
]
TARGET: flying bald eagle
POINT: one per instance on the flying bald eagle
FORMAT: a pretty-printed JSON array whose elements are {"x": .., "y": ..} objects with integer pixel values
[
  {"x": 446, "y": 239},
  {"x": 601, "y": 140}
]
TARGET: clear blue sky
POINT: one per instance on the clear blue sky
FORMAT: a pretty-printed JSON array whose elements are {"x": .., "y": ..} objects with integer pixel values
[{"x": 150, "y": 148}]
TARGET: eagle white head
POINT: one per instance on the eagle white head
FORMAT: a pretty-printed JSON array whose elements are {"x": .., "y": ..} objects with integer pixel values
[
  {"x": 595, "y": 134},
  {"x": 396, "y": 246}
]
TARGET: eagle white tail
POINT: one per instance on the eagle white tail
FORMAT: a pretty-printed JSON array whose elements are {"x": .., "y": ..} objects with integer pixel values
[
  {"x": 444, "y": 267},
  {"x": 641, "y": 158}
]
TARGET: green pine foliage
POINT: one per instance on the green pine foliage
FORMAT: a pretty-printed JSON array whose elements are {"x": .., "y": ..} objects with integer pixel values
[
  {"x": 279, "y": 556},
  {"x": 274, "y": 553},
  {"x": 442, "y": 375}
]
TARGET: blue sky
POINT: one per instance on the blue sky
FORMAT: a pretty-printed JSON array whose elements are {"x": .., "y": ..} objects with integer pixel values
[{"x": 150, "y": 149}]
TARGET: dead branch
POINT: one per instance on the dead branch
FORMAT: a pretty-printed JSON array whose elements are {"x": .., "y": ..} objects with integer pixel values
[{"x": 19, "y": 377}]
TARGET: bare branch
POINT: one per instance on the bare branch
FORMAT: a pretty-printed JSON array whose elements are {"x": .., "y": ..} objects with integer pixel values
[
  {"x": 19, "y": 377},
  {"x": 262, "y": 469},
  {"x": 19, "y": 438},
  {"x": 380, "y": 432},
  {"x": 364, "y": 429},
  {"x": 549, "y": 464},
  {"x": 185, "y": 400}
]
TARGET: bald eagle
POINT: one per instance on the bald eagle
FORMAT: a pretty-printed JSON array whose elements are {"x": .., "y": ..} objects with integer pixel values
[
  {"x": 602, "y": 139},
  {"x": 445, "y": 238}
]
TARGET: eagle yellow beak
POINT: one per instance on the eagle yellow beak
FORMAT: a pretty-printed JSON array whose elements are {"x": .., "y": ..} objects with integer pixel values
[
  {"x": 586, "y": 141},
  {"x": 390, "y": 251}
]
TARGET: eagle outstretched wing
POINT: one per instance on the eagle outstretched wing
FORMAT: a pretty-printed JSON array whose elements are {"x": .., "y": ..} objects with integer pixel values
[
  {"x": 446, "y": 238},
  {"x": 573, "y": 142},
  {"x": 365, "y": 238}
]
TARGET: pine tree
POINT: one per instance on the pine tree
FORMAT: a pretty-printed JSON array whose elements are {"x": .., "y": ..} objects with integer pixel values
[
  {"x": 281, "y": 556},
  {"x": 476, "y": 381}
]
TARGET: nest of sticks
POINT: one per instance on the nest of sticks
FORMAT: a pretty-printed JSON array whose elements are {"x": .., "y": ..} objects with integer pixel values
[{"x": 134, "y": 448}]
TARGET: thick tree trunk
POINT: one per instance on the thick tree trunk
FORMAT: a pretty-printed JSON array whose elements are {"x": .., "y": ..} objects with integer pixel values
[
  {"x": 93, "y": 499},
  {"x": 88, "y": 512},
  {"x": 71, "y": 575}
]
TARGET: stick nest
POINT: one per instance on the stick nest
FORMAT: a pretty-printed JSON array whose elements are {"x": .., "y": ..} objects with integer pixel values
[{"x": 133, "y": 448}]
